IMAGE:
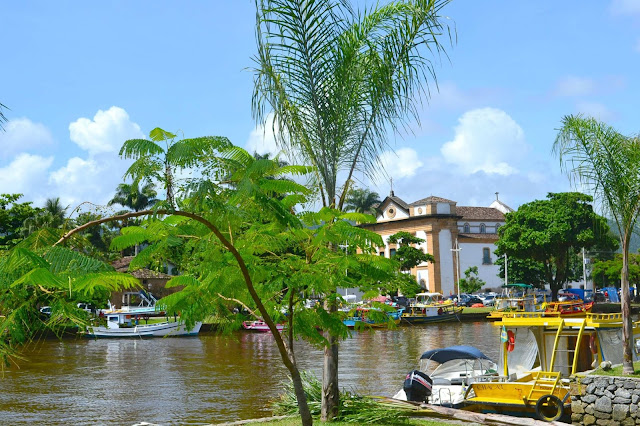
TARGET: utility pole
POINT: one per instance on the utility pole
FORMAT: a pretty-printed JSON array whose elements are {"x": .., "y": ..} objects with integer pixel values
[
  {"x": 506, "y": 280},
  {"x": 584, "y": 268},
  {"x": 457, "y": 270}
]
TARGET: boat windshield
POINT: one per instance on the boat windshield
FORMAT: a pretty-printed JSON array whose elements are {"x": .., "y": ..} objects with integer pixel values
[{"x": 428, "y": 298}]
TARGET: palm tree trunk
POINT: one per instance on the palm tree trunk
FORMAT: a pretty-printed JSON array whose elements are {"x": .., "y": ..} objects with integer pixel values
[
  {"x": 330, "y": 390},
  {"x": 627, "y": 326}
]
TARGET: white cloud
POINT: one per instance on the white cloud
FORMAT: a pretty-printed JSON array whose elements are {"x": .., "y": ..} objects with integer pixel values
[
  {"x": 262, "y": 139},
  {"x": 486, "y": 140},
  {"x": 24, "y": 175},
  {"x": 625, "y": 7},
  {"x": 575, "y": 86},
  {"x": 22, "y": 135},
  {"x": 595, "y": 110},
  {"x": 106, "y": 132},
  {"x": 401, "y": 163}
]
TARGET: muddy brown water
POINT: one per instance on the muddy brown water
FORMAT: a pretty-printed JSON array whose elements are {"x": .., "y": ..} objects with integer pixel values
[{"x": 206, "y": 379}]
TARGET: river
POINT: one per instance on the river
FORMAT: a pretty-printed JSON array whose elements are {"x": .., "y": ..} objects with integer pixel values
[{"x": 206, "y": 379}]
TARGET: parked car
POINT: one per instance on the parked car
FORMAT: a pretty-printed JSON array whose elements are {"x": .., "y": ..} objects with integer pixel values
[
  {"x": 567, "y": 297},
  {"x": 488, "y": 300},
  {"x": 468, "y": 300}
]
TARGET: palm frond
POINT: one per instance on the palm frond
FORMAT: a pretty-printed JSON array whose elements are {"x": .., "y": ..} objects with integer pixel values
[
  {"x": 137, "y": 148},
  {"x": 159, "y": 135}
]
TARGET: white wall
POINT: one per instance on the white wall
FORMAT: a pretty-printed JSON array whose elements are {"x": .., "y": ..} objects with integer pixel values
[
  {"x": 471, "y": 255},
  {"x": 474, "y": 226},
  {"x": 447, "y": 280},
  {"x": 400, "y": 213},
  {"x": 443, "y": 208}
]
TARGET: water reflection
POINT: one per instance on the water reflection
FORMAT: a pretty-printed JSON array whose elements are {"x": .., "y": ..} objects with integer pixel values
[{"x": 206, "y": 379}]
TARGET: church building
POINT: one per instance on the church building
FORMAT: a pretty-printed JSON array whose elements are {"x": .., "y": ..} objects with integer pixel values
[{"x": 458, "y": 237}]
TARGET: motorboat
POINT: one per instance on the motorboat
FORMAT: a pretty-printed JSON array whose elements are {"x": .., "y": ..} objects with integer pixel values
[
  {"x": 450, "y": 371},
  {"x": 260, "y": 325},
  {"x": 126, "y": 323},
  {"x": 538, "y": 354},
  {"x": 364, "y": 317},
  {"x": 430, "y": 307}
]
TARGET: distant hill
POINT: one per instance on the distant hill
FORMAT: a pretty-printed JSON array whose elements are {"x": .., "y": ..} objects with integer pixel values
[{"x": 634, "y": 244}]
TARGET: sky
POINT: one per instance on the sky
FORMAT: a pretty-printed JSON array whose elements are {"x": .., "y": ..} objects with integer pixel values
[{"x": 80, "y": 78}]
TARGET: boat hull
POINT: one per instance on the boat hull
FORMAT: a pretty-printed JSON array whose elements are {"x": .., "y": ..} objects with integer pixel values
[
  {"x": 260, "y": 326},
  {"x": 164, "y": 329}
]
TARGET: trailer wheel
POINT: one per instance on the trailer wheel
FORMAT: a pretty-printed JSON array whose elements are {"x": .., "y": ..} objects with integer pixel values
[{"x": 549, "y": 408}]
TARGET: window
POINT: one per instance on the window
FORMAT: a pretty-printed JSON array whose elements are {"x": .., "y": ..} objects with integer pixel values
[
  {"x": 497, "y": 227},
  {"x": 486, "y": 256},
  {"x": 392, "y": 252},
  {"x": 466, "y": 228},
  {"x": 382, "y": 254},
  {"x": 483, "y": 228}
]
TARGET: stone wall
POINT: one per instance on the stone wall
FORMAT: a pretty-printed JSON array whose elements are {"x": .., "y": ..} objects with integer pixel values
[{"x": 605, "y": 400}]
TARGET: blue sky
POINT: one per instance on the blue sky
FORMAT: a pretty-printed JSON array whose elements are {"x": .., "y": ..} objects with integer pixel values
[{"x": 82, "y": 77}]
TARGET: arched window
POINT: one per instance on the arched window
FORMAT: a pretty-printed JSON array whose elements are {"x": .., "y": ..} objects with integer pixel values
[
  {"x": 497, "y": 227},
  {"x": 466, "y": 228},
  {"x": 483, "y": 228}
]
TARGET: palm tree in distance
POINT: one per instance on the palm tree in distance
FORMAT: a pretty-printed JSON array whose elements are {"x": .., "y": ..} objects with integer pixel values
[
  {"x": 133, "y": 197},
  {"x": 52, "y": 215},
  {"x": 602, "y": 160},
  {"x": 3, "y": 118},
  {"x": 362, "y": 200}
]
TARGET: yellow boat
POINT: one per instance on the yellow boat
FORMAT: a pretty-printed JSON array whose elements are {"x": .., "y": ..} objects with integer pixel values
[
  {"x": 515, "y": 298},
  {"x": 539, "y": 354}
]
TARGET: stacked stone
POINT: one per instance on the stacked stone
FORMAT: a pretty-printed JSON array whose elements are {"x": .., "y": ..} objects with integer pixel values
[{"x": 604, "y": 400}]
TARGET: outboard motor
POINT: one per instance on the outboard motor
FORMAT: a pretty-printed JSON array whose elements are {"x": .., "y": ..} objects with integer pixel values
[{"x": 417, "y": 386}]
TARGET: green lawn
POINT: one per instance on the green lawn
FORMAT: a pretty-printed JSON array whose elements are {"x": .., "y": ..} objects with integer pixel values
[
  {"x": 617, "y": 371},
  {"x": 484, "y": 310},
  {"x": 295, "y": 421}
]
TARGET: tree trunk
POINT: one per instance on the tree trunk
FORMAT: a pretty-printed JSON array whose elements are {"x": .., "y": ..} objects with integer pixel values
[
  {"x": 330, "y": 391},
  {"x": 627, "y": 326}
]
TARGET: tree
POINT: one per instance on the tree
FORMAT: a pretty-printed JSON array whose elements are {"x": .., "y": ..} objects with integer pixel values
[
  {"x": 527, "y": 271},
  {"x": 133, "y": 197},
  {"x": 158, "y": 158},
  {"x": 52, "y": 215},
  {"x": 471, "y": 282},
  {"x": 242, "y": 245},
  {"x": 335, "y": 81},
  {"x": 12, "y": 218},
  {"x": 362, "y": 201},
  {"x": 408, "y": 258},
  {"x": 607, "y": 164},
  {"x": 551, "y": 231},
  {"x": 606, "y": 273}
]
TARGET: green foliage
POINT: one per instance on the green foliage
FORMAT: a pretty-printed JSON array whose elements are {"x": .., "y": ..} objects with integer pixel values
[
  {"x": 606, "y": 273},
  {"x": 12, "y": 217},
  {"x": 526, "y": 271},
  {"x": 471, "y": 283},
  {"x": 134, "y": 197},
  {"x": 362, "y": 201},
  {"x": 551, "y": 231},
  {"x": 53, "y": 276},
  {"x": 354, "y": 408}
]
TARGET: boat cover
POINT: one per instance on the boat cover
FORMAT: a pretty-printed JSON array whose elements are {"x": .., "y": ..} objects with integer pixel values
[{"x": 443, "y": 355}]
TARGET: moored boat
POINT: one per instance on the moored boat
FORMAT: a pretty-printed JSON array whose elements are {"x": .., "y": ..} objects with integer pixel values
[
  {"x": 515, "y": 298},
  {"x": 259, "y": 325},
  {"x": 430, "y": 307},
  {"x": 372, "y": 317},
  {"x": 573, "y": 308},
  {"x": 127, "y": 324}
]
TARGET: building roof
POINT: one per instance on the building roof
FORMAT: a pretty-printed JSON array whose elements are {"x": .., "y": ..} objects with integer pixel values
[
  {"x": 479, "y": 213},
  {"x": 399, "y": 201},
  {"x": 122, "y": 265},
  {"x": 475, "y": 236},
  {"x": 431, "y": 199}
]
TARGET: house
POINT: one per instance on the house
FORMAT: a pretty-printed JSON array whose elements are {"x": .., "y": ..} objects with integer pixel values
[
  {"x": 150, "y": 281},
  {"x": 457, "y": 236}
]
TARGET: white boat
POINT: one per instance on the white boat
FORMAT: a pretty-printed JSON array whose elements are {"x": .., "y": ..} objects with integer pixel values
[
  {"x": 127, "y": 324},
  {"x": 451, "y": 370},
  {"x": 259, "y": 325}
]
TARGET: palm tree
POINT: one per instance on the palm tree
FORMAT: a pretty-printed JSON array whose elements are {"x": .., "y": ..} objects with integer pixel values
[
  {"x": 3, "y": 119},
  {"x": 607, "y": 163},
  {"x": 336, "y": 81},
  {"x": 362, "y": 201},
  {"x": 134, "y": 198},
  {"x": 52, "y": 215}
]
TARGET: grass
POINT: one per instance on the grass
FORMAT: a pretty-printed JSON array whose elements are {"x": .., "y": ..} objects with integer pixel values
[
  {"x": 617, "y": 371},
  {"x": 295, "y": 421}
]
